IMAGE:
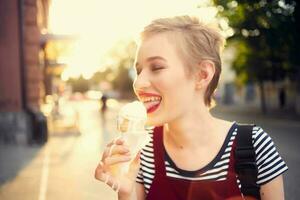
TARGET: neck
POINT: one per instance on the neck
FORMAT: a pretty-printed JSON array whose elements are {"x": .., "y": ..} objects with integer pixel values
[{"x": 193, "y": 130}]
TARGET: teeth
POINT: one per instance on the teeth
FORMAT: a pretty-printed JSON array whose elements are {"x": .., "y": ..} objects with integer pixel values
[{"x": 149, "y": 99}]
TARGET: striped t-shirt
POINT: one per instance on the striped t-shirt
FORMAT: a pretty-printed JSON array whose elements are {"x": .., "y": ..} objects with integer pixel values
[{"x": 269, "y": 162}]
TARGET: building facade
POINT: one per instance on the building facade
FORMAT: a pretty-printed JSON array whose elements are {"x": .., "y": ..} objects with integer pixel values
[{"x": 21, "y": 69}]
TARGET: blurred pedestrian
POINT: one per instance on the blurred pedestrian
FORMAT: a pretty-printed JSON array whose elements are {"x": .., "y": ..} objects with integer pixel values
[
  {"x": 103, "y": 109},
  {"x": 282, "y": 97},
  {"x": 192, "y": 154}
]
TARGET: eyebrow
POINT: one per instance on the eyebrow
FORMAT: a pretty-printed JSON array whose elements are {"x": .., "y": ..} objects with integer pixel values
[{"x": 152, "y": 58}]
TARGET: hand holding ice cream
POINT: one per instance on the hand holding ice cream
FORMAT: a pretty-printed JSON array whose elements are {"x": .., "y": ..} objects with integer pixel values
[
  {"x": 131, "y": 125},
  {"x": 113, "y": 168}
]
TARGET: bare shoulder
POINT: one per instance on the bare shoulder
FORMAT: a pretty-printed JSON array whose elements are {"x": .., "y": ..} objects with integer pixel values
[
  {"x": 222, "y": 130},
  {"x": 224, "y": 126}
]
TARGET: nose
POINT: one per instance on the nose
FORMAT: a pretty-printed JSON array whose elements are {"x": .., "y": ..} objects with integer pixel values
[{"x": 141, "y": 81}]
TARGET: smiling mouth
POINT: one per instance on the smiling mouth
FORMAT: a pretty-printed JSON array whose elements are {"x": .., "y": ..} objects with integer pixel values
[{"x": 151, "y": 103}]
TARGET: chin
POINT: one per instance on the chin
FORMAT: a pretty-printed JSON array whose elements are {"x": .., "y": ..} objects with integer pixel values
[{"x": 154, "y": 122}]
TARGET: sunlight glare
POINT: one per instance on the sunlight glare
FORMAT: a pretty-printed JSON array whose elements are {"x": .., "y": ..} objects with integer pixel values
[{"x": 100, "y": 25}]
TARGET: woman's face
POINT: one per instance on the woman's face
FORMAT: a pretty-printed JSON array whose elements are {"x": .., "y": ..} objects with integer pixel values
[{"x": 162, "y": 83}]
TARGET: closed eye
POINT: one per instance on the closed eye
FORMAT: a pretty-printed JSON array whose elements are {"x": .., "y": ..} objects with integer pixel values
[{"x": 155, "y": 68}]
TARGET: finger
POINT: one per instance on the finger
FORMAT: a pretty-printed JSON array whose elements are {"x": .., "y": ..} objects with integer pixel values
[
  {"x": 115, "y": 149},
  {"x": 106, "y": 178},
  {"x": 136, "y": 159},
  {"x": 110, "y": 181},
  {"x": 99, "y": 171},
  {"x": 103, "y": 176},
  {"x": 117, "y": 141},
  {"x": 116, "y": 159},
  {"x": 116, "y": 186},
  {"x": 111, "y": 148},
  {"x": 134, "y": 166}
]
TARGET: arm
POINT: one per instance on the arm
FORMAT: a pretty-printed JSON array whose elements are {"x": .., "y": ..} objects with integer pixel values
[
  {"x": 270, "y": 166},
  {"x": 138, "y": 194},
  {"x": 140, "y": 191},
  {"x": 273, "y": 190}
]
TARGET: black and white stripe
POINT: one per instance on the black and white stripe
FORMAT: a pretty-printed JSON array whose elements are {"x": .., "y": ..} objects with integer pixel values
[
  {"x": 269, "y": 163},
  {"x": 268, "y": 160}
]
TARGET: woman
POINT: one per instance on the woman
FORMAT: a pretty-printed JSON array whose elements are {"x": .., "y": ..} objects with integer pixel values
[{"x": 191, "y": 153}]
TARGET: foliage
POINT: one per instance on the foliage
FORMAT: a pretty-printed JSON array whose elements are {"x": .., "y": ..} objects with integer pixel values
[{"x": 265, "y": 34}]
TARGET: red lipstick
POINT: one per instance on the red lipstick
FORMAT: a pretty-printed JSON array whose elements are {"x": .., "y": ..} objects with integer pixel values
[{"x": 147, "y": 94}]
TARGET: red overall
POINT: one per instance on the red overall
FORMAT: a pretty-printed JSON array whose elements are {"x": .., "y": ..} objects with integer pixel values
[{"x": 168, "y": 188}]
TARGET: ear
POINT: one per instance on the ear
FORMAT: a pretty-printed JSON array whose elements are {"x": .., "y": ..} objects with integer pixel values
[{"x": 205, "y": 72}]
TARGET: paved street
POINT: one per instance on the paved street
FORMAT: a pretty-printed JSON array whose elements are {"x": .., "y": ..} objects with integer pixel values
[{"x": 64, "y": 167}]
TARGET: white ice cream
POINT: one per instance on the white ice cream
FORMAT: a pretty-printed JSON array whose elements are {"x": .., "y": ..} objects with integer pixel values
[{"x": 132, "y": 117}]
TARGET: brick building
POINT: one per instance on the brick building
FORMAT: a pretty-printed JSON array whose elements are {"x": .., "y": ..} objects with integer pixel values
[{"x": 21, "y": 69}]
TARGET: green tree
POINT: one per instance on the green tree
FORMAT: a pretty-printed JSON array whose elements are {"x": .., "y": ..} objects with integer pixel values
[
  {"x": 117, "y": 73},
  {"x": 266, "y": 39}
]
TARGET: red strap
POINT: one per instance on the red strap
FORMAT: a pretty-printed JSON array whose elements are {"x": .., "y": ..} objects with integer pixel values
[{"x": 160, "y": 169}]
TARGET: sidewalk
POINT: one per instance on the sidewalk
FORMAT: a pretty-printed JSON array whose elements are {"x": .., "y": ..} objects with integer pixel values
[
  {"x": 15, "y": 158},
  {"x": 64, "y": 167}
]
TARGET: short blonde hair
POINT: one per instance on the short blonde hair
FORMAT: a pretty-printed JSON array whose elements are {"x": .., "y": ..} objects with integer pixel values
[{"x": 196, "y": 41}]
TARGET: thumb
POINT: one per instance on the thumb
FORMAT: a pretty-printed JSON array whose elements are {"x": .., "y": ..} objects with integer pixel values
[{"x": 134, "y": 166}]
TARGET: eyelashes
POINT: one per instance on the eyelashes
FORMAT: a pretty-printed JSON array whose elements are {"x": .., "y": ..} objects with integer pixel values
[
  {"x": 155, "y": 68},
  {"x": 152, "y": 67}
]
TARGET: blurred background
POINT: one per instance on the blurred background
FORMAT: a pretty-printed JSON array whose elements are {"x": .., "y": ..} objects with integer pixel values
[{"x": 66, "y": 69}]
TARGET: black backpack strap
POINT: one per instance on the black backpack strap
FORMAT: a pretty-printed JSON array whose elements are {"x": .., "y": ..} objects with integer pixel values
[{"x": 245, "y": 165}]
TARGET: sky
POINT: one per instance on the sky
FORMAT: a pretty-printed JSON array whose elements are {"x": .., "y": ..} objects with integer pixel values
[{"x": 100, "y": 24}]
